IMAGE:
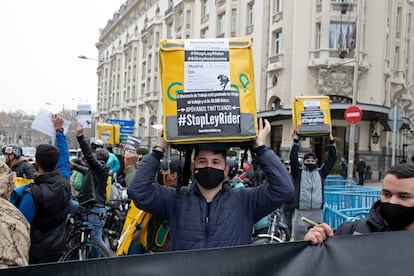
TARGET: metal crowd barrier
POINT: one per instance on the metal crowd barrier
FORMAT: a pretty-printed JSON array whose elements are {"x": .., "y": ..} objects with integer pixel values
[{"x": 345, "y": 202}]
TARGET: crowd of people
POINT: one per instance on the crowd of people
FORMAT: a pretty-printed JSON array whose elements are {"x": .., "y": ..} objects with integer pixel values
[{"x": 212, "y": 202}]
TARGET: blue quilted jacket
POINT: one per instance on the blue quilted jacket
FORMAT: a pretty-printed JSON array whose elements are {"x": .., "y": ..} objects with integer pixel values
[{"x": 232, "y": 212}]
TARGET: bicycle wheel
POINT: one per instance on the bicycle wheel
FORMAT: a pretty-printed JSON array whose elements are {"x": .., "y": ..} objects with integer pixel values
[
  {"x": 281, "y": 235},
  {"x": 85, "y": 251}
]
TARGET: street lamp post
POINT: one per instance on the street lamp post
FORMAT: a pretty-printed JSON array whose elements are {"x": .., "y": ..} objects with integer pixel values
[{"x": 351, "y": 153}]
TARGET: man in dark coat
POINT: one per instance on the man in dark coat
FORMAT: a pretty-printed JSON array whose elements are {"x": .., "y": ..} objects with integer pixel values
[
  {"x": 210, "y": 213},
  {"x": 393, "y": 212}
]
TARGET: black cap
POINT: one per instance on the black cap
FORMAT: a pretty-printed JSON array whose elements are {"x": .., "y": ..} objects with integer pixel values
[
  {"x": 175, "y": 164},
  {"x": 221, "y": 147},
  {"x": 310, "y": 154}
]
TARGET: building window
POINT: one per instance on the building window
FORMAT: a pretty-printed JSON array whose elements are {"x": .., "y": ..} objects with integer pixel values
[
  {"x": 397, "y": 58},
  {"x": 142, "y": 89},
  {"x": 169, "y": 31},
  {"x": 233, "y": 20},
  {"x": 144, "y": 70},
  {"x": 205, "y": 6},
  {"x": 180, "y": 19},
  {"x": 204, "y": 33},
  {"x": 155, "y": 84},
  {"x": 250, "y": 13},
  {"x": 340, "y": 35},
  {"x": 221, "y": 23},
  {"x": 125, "y": 78},
  {"x": 398, "y": 21},
  {"x": 144, "y": 49},
  {"x": 277, "y": 6},
  {"x": 156, "y": 62},
  {"x": 277, "y": 38},
  {"x": 188, "y": 18},
  {"x": 157, "y": 39},
  {"x": 318, "y": 36}
]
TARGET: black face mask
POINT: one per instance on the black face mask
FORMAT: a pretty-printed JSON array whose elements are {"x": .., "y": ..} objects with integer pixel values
[
  {"x": 311, "y": 167},
  {"x": 209, "y": 178},
  {"x": 396, "y": 216}
]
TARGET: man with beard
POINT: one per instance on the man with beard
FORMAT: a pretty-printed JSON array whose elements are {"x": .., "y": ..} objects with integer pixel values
[
  {"x": 309, "y": 185},
  {"x": 210, "y": 213},
  {"x": 394, "y": 211}
]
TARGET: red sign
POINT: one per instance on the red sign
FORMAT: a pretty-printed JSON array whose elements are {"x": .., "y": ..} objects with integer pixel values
[{"x": 353, "y": 114}]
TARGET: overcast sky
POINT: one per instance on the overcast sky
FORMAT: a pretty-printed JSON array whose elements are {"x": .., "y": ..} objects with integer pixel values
[{"x": 41, "y": 40}]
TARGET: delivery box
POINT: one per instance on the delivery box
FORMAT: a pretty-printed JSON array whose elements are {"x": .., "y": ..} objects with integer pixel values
[
  {"x": 311, "y": 115},
  {"x": 109, "y": 133},
  {"x": 208, "y": 90}
]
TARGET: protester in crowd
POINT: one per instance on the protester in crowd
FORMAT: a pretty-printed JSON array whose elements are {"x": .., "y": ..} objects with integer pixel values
[
  {"x": 361, "y": 171},
  {"x": 113, "y": 161},
  {"x": 288, "y": 208},
  {"x": 45, "y": 204},
  {"x": 130, "y": 164},
  {"x": 309, "y": 185},
  {"x": 156, "y": 232},
  {"x": 62, "y": 144},
  {"x": 93, "y": 189},
  {"x": 79, "y": 167},
  {"x": 14, "y": 228},
  {"x": 20, "y": 165},
  {"x": 392, "y": 212},
  {"x": 210, "y": 213},
  {"x": 344, "y": 168},
  {"x": 232, "y": 178}
]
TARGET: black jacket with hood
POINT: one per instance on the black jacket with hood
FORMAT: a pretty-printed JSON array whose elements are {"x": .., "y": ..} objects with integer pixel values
[{"x": 95, "y": 178}]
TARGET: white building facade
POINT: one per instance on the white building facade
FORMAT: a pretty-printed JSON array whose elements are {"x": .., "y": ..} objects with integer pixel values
[{"x": 295, "y": 51}]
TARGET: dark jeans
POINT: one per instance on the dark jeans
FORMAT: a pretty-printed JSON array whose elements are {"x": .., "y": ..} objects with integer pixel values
[
  {"x": 96, "y": 224},
  {"x": 288, "y": 212},
  {"x": 361, "y": 178}
]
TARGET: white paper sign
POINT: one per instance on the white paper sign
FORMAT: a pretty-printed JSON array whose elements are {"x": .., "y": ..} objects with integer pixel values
[
  {"x": 206, "y": 65},
  {"x": 44, "y": 123},
  {"x": 84, "y": 115},
  {"x": 157, "y": 126}
]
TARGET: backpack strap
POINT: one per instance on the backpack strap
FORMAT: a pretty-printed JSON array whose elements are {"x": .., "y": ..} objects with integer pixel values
[{"x": 162, "y": 233}]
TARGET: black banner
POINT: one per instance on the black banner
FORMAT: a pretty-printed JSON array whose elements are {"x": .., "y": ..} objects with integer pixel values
[
  {"x": 216, "y": 112},
  {"x": 376, "y": 254}
]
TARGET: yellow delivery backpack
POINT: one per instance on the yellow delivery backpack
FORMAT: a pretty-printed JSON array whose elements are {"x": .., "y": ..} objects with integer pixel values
[
  {"x": 311, "y": 115},
  {"x": 136, "y": 237},
  {"x": 20, "y": 181},
  {"x": 208, "y": 90},
  {"x": 135, "y": 221}
]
